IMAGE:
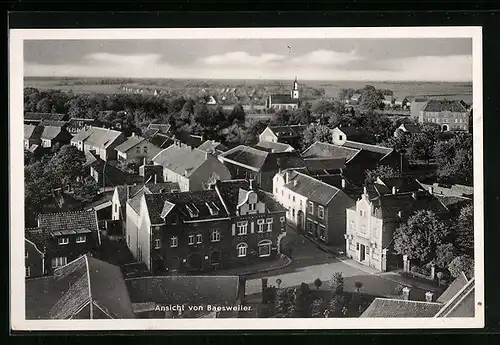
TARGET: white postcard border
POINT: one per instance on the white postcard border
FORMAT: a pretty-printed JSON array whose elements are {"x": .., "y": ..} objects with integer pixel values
[{"x": 16, "y": 192}]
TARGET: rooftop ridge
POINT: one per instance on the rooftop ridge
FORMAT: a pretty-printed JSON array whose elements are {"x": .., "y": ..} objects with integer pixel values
[
  {"x": 312, "y": 178},
  {"x": 360, "y": 143}
]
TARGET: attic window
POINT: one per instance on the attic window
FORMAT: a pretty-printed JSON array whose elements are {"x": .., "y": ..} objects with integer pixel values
[
  {"x": 193, "y": 210},
  {"x": 213, "y": 208}
]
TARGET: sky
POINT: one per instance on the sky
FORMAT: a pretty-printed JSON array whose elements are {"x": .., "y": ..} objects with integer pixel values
[{"x": 400, "y": 59}]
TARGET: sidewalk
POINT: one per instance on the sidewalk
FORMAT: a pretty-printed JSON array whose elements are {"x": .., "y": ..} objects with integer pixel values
[{"x": 281, "y": 262}]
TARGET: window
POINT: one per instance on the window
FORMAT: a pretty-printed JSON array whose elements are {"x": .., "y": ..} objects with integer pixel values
[
  {"x": 252, "y": 207},
  {"x": 60, "y": 261},
  {"x": 63, "y": 240},
  {"x": 28, "y": 273},
  {"x": 242, "y": 227},
  {"x": 322, "y": 232},
  {"x": 293, "y": 198},
  {"x": 264, "y": 248},
  {"x": 321, "y": 212},
  {"x": 157, "y": 243},
  {"x": 191, "y": 240},
  {"x": 145, "y": 149},
  {"x": 341, "y": 137},
  {"x": 81, "y": 239},
  {"x": 362, "y": 213},
  {"x": 174, "y": 241},
  {"x": 352, "y": 224},
  {"x": 116, "y": 208},
  {"x": 215, "y": 235},
  {"x": 260, "y": 224},
  {"x": 198, "y": 238},
  {"x": 138, "y": 149},
  {"x": 311, "y": 207},
  {"x": 269, "y": 222},
  {"x": 357, "y": 246},
  {"x": 25, "y": 254},
  {"x": 242, "y": 249},
  {"x": 300, "y": 202},
  {"x": 293, "y": 212}
]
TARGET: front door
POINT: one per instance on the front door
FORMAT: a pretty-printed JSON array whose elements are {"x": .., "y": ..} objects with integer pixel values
[
  {"x": 362, "y": 252},
  {"x": 300, "y": 221}
]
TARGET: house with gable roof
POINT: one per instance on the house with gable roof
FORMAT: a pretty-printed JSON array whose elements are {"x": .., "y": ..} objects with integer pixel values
[
  {"x": 101, "y": 140},
  {"x": 135, "y": 149},
  {"x": 370, "y": 223},
  {"x": 457, "y": 300},
  {"x": 291, "y": 134},
  {"x": 62, "y": 237},
  {"x": 53, "y": 134},
  {"x": 450, "y": 115},
  {"x": 192, "y": 169},
  {"x": 316, "y": 208},
  {"x": 85, "y": 288},
  {"x": 32, "y": 135}
]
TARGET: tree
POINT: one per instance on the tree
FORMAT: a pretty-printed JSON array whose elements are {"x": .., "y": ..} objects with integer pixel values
[
  {"x": 420, "y": 236},
  {"x": 454, "y": 158},
  {"x": 237, "y": 114},
  {"x": 315, "y": 133},
  {"x": 318, "y": 283},
  {"x": 85, "y": 190},
  {"x": 371, "y": 99},
  {"x": 464, "y": 231},
  {"x": 66, "y": 165},
  {"x": 303, "y": 301},
  {"x": 316, "y": 308},
  {"x": 358, "y": 285},
  {"x": 382, "y": 171},
  {"x": 462, "y": 263},
  {"x": 337, "y": 283},
  {"x": 285, "y": 300},
  {"x": 445, "y": 253},
  {"x": 37, "y": 184},
  {"x": 346, "y": 94}
]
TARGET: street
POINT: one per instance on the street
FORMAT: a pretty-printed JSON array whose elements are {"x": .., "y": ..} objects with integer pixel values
[{"x": 309, "y": 262}]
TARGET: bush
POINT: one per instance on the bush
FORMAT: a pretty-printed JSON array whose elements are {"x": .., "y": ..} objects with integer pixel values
[
  {"x": 398, "y": 290},
  {"x": 358, "y": 285},
  {"x": 463, "y": 263},
  {"x": 318, "y": 283}
]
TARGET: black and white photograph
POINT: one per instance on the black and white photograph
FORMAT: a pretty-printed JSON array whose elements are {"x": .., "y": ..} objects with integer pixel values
[{"x": 323, "y": 178}]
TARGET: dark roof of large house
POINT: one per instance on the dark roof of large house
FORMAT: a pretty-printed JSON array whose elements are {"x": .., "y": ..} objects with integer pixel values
[
  {"x": 44, "y": 116},
  {"x": 230, "y": 192},
  {"x": 437, "y": 105},
  {"x": 74, "y": 286},
  {"x": 149, "y": 133},
  {"x": 283, "y": 99},
  {"x": 50, "y": 132},
  {"x": 182, "y": 159},
  {"x": 326, "y": 150},
  {"x": 135, "y": 195},
  {"x": 323, "y": 165},
  {"x": 162, "y": 127},
  {"x": 187, "y": 290},
  {"x": 310, "y": 187},
  {"x": 39, "y": 237},
  {"x": 61, "y": 223},
  {"x": 386, "y": 307},
  {"x": 96, "y": 136},
  {"x": 34, "y": 148},
  {"x": 410, "y": 127},
  {"x": 450, "y": 190},
  {"x": 251, "y": 157},
  {"x": 454, "y": 288},
  {"x": 188, "y": 138},
  {"x": 388, "y": 206},
  {"x": 159, "y": 205},
  {"x": 351, "y": 131},
  {"x": 402, "y": 185},
  {"x": 32, "y": 131},
  {"x": 129, "y": 143},
  {"x": 290, "y": 131},
  {"x": 289, "y": 160},
  {"x": 161, "y": 140},
  {"x": 273, "y": 147}
]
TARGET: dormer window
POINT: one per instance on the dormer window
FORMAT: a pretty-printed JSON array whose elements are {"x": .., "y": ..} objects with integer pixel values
[
  {"x": 252, "y": 207},
  {"x": 63, "y": 241},
  {"x": 193, "y": 210},
  {"x": 213, "y": 208}
]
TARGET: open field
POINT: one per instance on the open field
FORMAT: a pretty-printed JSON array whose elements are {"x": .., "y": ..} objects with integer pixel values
[{"x": 449, "y": 90}]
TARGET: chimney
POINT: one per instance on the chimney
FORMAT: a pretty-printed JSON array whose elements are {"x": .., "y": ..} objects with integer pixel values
[
  {"x": 133, "y": 134},
  {"x": 414, "y": 195},
  {"x": 406, "y": 293},
  {"x": 287, "y": 177},
  {"x": 206, "y": 155},
  {"x": 429, "y": 296},
  {"x": 295, "y": 183},
  {"x": 394, "y": 190},
  {"x": 343, "y": 183},
  {"x": 155, "y": 177},
  {"x": 431, "y": 190},
  {"x": 144, "y": 161}
]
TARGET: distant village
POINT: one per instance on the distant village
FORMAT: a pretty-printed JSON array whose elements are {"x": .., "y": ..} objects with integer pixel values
[{"x": 200, "y": 222}]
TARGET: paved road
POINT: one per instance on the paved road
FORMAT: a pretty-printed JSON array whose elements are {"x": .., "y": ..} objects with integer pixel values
[{"x": 309, "y": 263}]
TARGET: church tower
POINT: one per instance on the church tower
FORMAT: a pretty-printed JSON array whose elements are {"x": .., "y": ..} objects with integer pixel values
[{"x": 295, "y": 91}]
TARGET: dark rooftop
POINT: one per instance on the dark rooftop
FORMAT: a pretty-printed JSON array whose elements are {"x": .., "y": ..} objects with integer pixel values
[
  {"x": 436, "y": 105},
  {"x": 384, "y": 307}
]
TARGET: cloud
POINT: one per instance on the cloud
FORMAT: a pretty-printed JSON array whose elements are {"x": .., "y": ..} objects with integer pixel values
[
  {"x": 130, "y": 60},
  {"x": 326, "y": 58},
  {"x": 241, "y": 58}
]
